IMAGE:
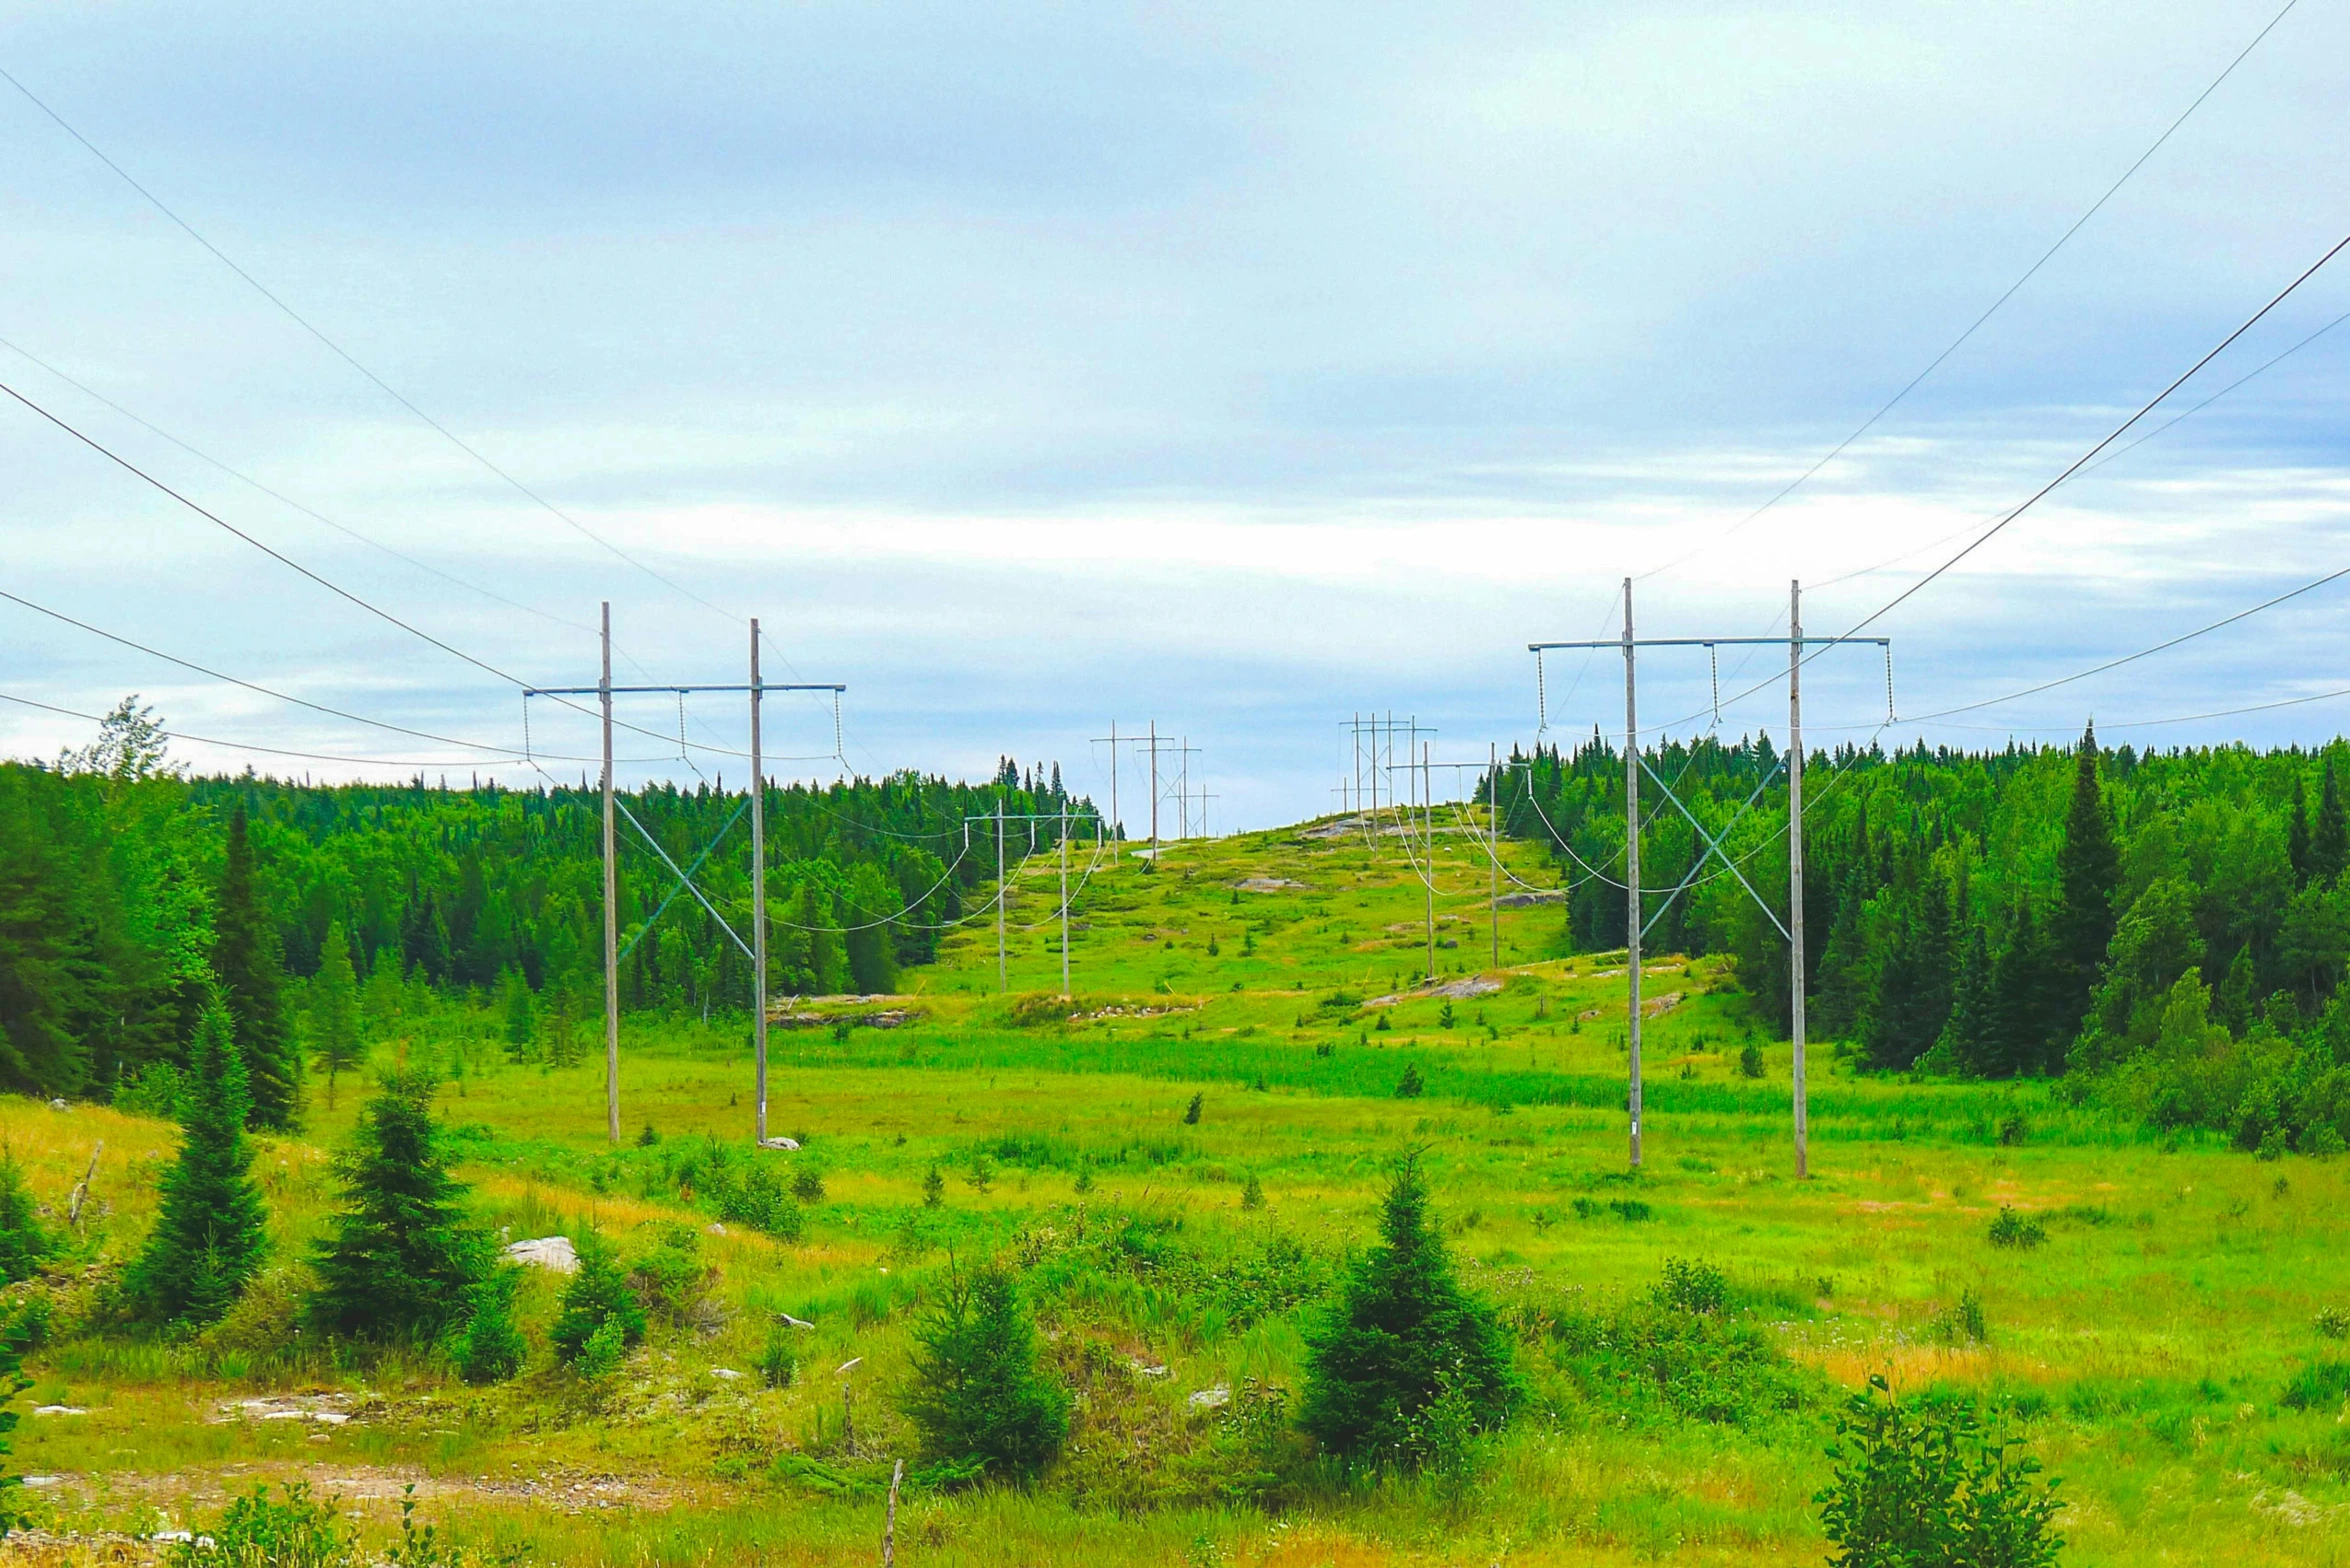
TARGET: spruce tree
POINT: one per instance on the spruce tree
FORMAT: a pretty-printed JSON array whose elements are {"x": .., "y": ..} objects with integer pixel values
[
  {"x": 2088, "y": 870},
  {"x": 1967, "y": 1043},
  {"x": 977, "y": 1394},
  {"x": 209, "y": 1237},
  {"x": 2297, "y": 832},
  {"x": 521, "y": 1015},
  {"x": 596, "y": 1300},
  {"x": 24, "y": 1240},
  {"x": 1402, "y": 1335},
  {"x": 2329, "y": 840},
  {"x": 244, "y": 953},
  {"x": 334, "y": 1008},
  {"x": 872, "y": 956},
  {"x": 401, "y": 1263}
]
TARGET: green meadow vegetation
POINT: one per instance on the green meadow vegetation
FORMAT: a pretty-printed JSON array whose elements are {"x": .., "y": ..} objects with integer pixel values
[{"x": 1255, "y": 1249}]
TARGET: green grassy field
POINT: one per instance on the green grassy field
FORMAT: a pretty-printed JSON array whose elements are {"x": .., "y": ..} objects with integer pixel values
[{"x": 2161, "y": 1349}]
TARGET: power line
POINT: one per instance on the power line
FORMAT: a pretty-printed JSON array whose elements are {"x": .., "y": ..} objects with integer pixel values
[
  {"x": 277, "y": 751},
  {"x": 300, "y": 702},
  {"x": 289, "y": 562},
  {"x": 1976, "y": 325},
  {"x": 2000, "y": 523},
  {"x": 348, "y": 358},
  {"x": 283, "y": 499}
]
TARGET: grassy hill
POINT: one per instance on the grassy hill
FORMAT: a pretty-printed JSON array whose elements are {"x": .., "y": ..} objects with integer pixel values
[{"x": 2163, "y": 1346}]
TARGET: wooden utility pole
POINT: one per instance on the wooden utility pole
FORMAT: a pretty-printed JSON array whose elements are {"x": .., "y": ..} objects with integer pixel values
[
  {"x": 1493, "y": 843},
  {"x": 758, "y": 897},
  {"x": 611, "y": 910},
  {"x": 1795, "y": 868},
  {"x": 1632, "y": 867},
  {"x": 1003, "y": 894},
  {"x": 1428, "y": 849},
  {"x": 1154, "y": 792},
  {"x": 1064, "y": 897}
]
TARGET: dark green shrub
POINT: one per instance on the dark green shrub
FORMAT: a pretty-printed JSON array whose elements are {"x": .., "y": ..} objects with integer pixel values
[
  {"x": 807, "y": 1184},
  {"x": 977, "y": 1395},
  {"x": 2016, "y": 1231},
  {"x": 1410, "y": 1085},
  {"x": 1963, "y": 1322},
  {"x": 17, "y": 1333},
  {"x": 402, "y": 1263},
  {"x": 594, "y": 1298},
  {"x": 1750, "y": 1061},
  {"x": 1402, "y": 1333},
  {"x": 1191, "y": 1111},
  {"x": 1929, "y": 1489},
  {"x": 491, "y": 1349},
  {"x": 1252, "y": 1192},
  {"x": 671, "y": 1279},
  {"x": 24, "y": 1240},
  {"x": 934, "y": 1188}
]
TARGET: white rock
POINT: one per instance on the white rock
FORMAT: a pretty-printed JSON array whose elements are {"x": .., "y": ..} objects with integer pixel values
[
  {"x": 715, "y": 1228},
  {"x": 40, "y": 1480},
  {"x": 725, "y": 1374},
  {"x": 1211, "y": 1398},
  {"x": 786, "y": 1145},
  {"x": 59, "y": 1410},
  {"x": 546, "y": 1252}
]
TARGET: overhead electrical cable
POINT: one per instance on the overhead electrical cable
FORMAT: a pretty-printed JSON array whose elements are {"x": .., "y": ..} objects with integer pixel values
[
  {"x": 2005, "y": 519},
  {"x": 280, "y": 751},
  {"x": 328, "y": 584},
  {"x": 350, "y": 359},
  {"x": 1976, "y": 325}
]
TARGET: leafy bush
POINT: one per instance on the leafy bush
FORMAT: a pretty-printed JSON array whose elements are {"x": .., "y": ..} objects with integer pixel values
[
  {"x": 977, "y": 1394},
  {"x": 2016, "y": 1231},
  {"x": 1750, "y": 1060},
  {"x": 1692, "y": 1286},
  {"x": 602, "y": 1352},
  {"x": 264, "y": 1323},
  {"x": 807, "y": 1184},
  {"x": 16, "y": 1336},
  {"x": 153, "y": 1090},
  {"x": 1191, "y": 1111},
  {"x": 1632, "y": 1211},
  {"x": 595, "y": 1298},
  {"x": 2332, "y": 1322},
  {"x": 256, "y": 1531},
  {"x": 1410, "y": 1085},
  {"x": 1963, "y": 1322},
  {"x": 1929, "y": 1489},
  {"x": 1683, "y": 1354},
  {"x": 1401, "y": 1335},
  {"x": 1252, "y": 1192}
]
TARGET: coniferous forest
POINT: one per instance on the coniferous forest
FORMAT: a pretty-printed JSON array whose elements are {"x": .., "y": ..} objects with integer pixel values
[
  {"x": 2167, "y": 931},
  {"x": 130, "y": 896}
]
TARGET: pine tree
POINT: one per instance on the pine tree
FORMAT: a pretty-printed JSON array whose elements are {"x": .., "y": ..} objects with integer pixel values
[
  {"x": 977, "y": 1393},
  {"x": 812, "y": 913},
  {"x": 244, "y": 952},
  {"x": 24, "y": 1240},
  {"x": 872, "y": 956},
  {"x": 2088, "y": 870},
  {"x": 2019, "y": 1034},
  {"x": 401, "y": 1263},
  {"x": 2329, "y": 840},
  {"x": 492, "y": 1348},
  {"x": 596, "y": 1300},
  {"x": 2297, "y": 832},
  {"x": 334, "y": 1008},
  {"x": 1967, "y": 1043},
  {"x": 1402, "y": 1335},
  {"x": 521, "y": 1015},
  {"x": 209, "y": 1237}
]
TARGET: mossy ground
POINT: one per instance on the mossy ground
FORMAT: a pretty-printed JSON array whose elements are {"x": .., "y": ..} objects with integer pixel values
[{"x": 2146, "y": 1348}]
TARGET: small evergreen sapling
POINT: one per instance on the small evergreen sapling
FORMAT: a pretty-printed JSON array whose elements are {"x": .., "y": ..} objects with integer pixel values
[
  {"x": 491, "y": 1348},
  {"x": 1402, "y": 1335},
  {"x": 978, "y": 1396},
  {"x": 24, "y": 1240},
  {"x": 402, "y": 1263},
  {"x": 209, "y": 1237},
  {"x": 334, "y": 1009},
  {"x": 596, "y": 1301},
  {"x": 15, "y": 1338}
]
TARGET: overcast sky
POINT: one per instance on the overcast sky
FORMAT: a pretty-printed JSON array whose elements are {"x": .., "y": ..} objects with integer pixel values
[{"x": 1034, "y": 368}]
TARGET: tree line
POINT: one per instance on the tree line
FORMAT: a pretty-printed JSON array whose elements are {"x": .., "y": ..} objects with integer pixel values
[
  {"x": 2168, "y": 930},
  {"x": 130, "y": 894}
]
